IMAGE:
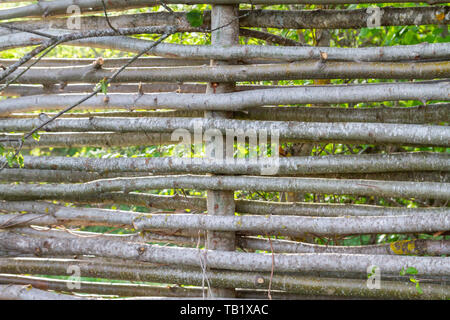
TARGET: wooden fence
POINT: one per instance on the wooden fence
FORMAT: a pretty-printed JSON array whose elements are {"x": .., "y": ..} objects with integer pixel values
[{"x": 327, "y": 162}]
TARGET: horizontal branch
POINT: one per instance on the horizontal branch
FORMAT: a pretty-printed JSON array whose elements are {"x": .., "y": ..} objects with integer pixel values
[
  {"x": 242, "y": 206},
  {"x": 395, "y": 162},
  {"x": 50, "y": 8},
  {"x": 343, "y": 19},
  {"x": 32, "y": 90},
  {"x": 68, "y": 176},
  {"x": 294, "y": 19},
  {"x": 251, "y": 53},
  {"x": 71, "y": 176},
  {"x": 439, "y": 266},
  {"x": 127, "y": 44},
  {"x": 24, "y": 292},
  {"x": 233, "y": 73},
  {"x": 401, "y": 247},
  {"x": 60, "y": 7},
  {"x": 101, "y": 288},
  {"x": 274, "y": 225},
  {"x": 268, "y": 37},
  {"x": 99, "y": 139},
  {"x": 235, "y": 101},
  {"x": 88, "y": 261},
  {"x": 414, "y": 247},
  {"x": 131, "y": 290},
  {"x": 22, "y": 39},
  {"x": 109, "y": 62},
  {"x": 143, "y": 62},
  {"x": 67, "y": 37},
  {"x": 350, "y": 132},
  {"x": 306, "y": 285},
  {"x": 289, "y": 53},
  {"x": 417, "y": 176},
  {"x": 277, "y": 1},
  {"x": 403, "y": 189},
  {"x": 431, "y": 113}
]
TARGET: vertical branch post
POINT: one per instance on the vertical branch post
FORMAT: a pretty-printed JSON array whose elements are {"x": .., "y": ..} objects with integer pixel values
[{"x": 222, "y": 202}]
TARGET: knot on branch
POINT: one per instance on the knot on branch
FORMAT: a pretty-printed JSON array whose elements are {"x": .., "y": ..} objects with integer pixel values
[{"x": 98, "y": 63}]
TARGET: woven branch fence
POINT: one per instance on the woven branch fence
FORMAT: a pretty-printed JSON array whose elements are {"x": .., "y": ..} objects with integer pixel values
[{"x": 280, "y": 182}]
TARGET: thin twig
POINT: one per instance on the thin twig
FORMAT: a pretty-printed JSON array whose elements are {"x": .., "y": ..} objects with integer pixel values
[
  {"x": 269, "y": 295},
  {"x": 7, "y": 83},
  {"x": 227, "y": 24},
  {"x": 38, "y": 33},
  {"x": 203, "y": 266},
  {"x": 83, "y": 35},
  {"x": 63, "y": 228},
  {"x": 106, "y": 17},
  {"x": 96, "y": 91},
  {"x": 166, "y": 7}
]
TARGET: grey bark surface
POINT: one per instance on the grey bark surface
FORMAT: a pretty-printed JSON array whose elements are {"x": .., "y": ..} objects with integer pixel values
[
  {"x": 431, "y": 113},
  {"x": 235, "y": 101},
  {"x": 330, "y": 164},
  {"x": 346, "y": 132},
  {"x": 306, "y": 285},
  {"x": 402, "y": 189},
  {"x": 237, "y": 261},
  {"x": 259, "y": 224},
  {"x": 221, "y": 203},
  {"x": 232, "y": 73},
  {"x": 294, "y": 19},
  {"x": 242, "y": 206}
]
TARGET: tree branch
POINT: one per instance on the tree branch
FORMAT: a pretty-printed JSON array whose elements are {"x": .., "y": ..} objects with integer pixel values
[
  {"x": 402, "y": 189},
  {"x": 438, "y": 266},
  {"x": 349, "y": 132}
]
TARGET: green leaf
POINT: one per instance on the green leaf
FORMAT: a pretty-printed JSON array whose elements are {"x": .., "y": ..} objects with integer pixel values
[
  {"x": 13, "y": 159},
  {"x": 10, "y": 158},
  {"x": 412, "y": 270},
  {"x": 36, "y": 136},
  {"x": 104, "y": 87},
  {"x": 2, "y": 150},
  {"x": 19, "y": 159},
  {"x": 195, "y": 18},
  {"x": 418, "y": 288},
  {"x": 413, "y": 280}
]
